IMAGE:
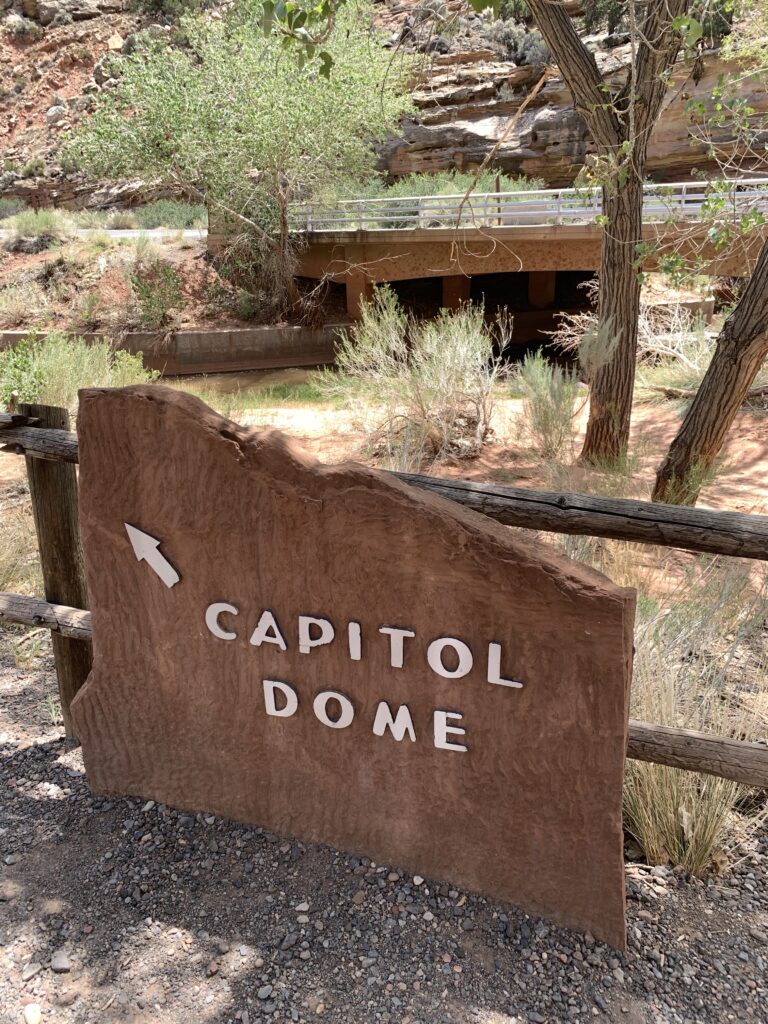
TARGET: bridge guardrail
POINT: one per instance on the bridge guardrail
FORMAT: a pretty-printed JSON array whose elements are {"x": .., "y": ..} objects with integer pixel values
[{"x": 680, "y": 201}]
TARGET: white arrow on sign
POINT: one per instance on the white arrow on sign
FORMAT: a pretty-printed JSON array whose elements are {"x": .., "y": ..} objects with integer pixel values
[{"x": 145, "y": 547}]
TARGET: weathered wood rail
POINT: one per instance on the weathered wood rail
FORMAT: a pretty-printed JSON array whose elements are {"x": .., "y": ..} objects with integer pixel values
[
  {"x": 644, "y": 522},
  {"x": 703, "y": 530},
  {"x": 693, "y": 529}
]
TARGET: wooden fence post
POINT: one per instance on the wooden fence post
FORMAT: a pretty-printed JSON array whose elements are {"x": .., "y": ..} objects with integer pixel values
[{"x": 53, "y": 489}]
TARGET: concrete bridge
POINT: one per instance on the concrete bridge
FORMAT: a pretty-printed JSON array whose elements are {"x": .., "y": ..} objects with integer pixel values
[{"x": 548, "y": 239}]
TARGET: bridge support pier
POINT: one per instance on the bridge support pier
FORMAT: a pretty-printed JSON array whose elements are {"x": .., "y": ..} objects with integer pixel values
[
  {"x": 359, "y": 290},
  {"x": 541, "y": 288},
  {"x": 455, "y": 291}
]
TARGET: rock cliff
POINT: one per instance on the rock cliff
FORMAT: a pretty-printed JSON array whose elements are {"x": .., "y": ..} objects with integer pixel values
[
  {"x": 472, "y": 79},
  {"x": 466, "y": 101}
]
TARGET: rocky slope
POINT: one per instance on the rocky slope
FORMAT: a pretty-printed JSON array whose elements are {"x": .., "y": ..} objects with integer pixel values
[
  {"x": 52, "y": 64},
  {"x": 469, "y": 89},
  {"x": 468, "y": 97}
]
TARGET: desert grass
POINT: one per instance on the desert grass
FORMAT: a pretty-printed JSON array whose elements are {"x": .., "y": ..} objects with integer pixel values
[
  {"x": 239, "y": 403},
  {"x": 421, "y": 391},
  {"x": 24, "y": 305},
  {"x": 552, "y": 399},
  {"x": 699, "y": 664},
  {"x": 40, "y": 224},
  {"x": 19, "y": 564}
]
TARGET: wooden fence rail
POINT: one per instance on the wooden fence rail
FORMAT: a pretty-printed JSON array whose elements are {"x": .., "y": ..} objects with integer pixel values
[
  {"x": 727, "y": 533},
  {"x": 679, "y": 748},
  {"x": 644, "y": 522}
]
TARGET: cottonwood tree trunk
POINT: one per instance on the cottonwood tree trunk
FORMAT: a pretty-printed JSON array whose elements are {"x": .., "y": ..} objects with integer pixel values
[
  {"x": 620, "y": 118},
  {"x": 613, "y": 383},
  {"x": 741, "y": 348}
]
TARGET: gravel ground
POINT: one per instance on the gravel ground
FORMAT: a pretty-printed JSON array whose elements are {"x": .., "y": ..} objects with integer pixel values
[{"x": 119, "y": 910}]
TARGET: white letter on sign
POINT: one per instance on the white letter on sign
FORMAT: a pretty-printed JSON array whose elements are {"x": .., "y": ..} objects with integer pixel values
[
  {"x": 442, "y": 729},
  {"x": 212, "y": 613},
  {"x": 399, "y": 726},
  {"x": 291, "y": 700},
  {"x": 396, "y": 638},
  {"x": 494, "y": 668},
  {"x": 306, "y": 640},
  {"x": 435, "y": 657},
  {"x": 320, "y": 707},
  {"x": 354, "y": 633},
  {"x": 267, "y": 631}
]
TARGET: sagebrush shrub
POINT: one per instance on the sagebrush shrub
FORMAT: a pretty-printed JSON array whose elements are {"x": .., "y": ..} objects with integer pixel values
[
  {"x": 425, "y": 388},
  {"x": 550, "y": 394}
]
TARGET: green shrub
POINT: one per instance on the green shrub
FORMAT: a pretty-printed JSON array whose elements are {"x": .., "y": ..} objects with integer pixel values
[
  {"x": 550, "y": 394},
  {"x": 39, "y": 224},
  {"x": 157, "y": 290},
  {"x": 34, "y": 168},
  {"x": 514, "y": 10},
  {"x": 170, "y": 213},
  {"x": 520, "y": 45},
  {"x": 20, "y": 374},
  {"x": 425, "y": 389},
  {"x": 52, "y": 368},
  {"x": 9, "y": 207}
]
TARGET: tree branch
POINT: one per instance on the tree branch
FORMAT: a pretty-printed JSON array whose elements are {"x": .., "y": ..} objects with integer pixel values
[{"x": 579, "y": 69}]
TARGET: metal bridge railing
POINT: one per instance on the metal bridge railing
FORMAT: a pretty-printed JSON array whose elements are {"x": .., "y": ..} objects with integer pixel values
[{"x": 681, "y": 201}]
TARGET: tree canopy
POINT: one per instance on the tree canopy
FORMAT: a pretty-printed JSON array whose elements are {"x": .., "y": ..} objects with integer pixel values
[{"x": 241, "y": 119}]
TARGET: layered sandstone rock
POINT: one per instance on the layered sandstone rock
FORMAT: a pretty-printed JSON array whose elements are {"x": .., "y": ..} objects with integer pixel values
[{"x": 466, "y": 102}]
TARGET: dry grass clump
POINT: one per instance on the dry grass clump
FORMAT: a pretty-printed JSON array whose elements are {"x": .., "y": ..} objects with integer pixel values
[
  {"x": 24, "y": 305},
  {"x": 552, "y": 399},
  {"x": 19, "y": 565},
  {"x": 699, "y": 664},
  {"x": 48, "y": 224},
  {"x": 425, "y": 390}
]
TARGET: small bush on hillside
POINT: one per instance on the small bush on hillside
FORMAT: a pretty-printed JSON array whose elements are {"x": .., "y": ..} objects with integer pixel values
[
  {"x": 52, "y": 368},
  {"x": 514, "y": 10},
  {"x": 24, "y": 305},
  {"x": 520, "y": 45},
  {"x": 34, "y": 168},
  {"x": 170, "y": 8},
  {"x": 550, "y": 397},
  {"x": 170, "y": 213},
  {"x": 9, "y": 207},
  {"x": 48, "y": 224},
  {"x": 120, "y": 220},
  {"x": 428, "y": 386},
  {"x": 156, "y": 287}
]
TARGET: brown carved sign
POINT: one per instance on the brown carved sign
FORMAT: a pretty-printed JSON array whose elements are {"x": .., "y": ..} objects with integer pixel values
[{"x": 324, "y": 651}]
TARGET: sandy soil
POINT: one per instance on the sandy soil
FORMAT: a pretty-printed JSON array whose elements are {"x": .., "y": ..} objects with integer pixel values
[{"x": 334, "y": 435}]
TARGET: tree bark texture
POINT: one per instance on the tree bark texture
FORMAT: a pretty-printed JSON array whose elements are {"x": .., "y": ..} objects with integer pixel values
[
  {"x": 741, "y": 348},
  {"x": 620, "y": 122},
  {"x": 54, "y": 493},
  {"x": 612, "y": 386}
]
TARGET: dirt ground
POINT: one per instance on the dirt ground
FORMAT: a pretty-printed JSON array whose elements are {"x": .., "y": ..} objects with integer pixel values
[
  {"x": 116, "y": 910},
  {"x": 333, "y": 435}
]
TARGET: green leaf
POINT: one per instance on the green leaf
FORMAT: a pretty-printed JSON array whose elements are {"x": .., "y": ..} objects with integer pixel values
[
  {"x": 689, "y": 28},
  {"x": 326, "y": 63},
  {"x": 484, "y": 5}
]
